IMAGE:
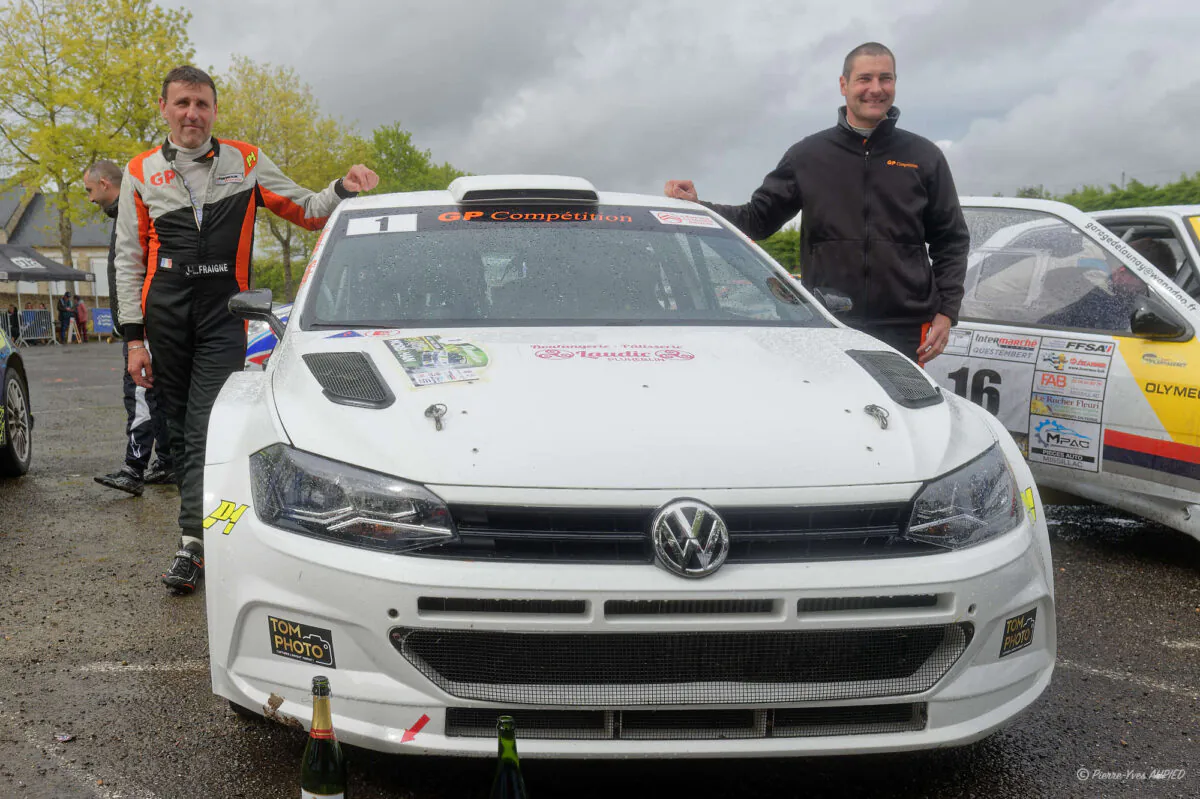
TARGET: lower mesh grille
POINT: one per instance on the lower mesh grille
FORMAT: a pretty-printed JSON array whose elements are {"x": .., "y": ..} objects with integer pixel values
[
  {"x": 686, "y": 607},
  {"x": 686, "y": 668},
  {"x": 666, "y": 725}
]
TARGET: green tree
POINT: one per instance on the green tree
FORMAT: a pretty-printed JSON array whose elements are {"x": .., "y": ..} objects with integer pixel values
[
  {"x": 270, "y": 106},
  {"x": 1037, "y": 192},
  {"x": 403, "y": 167},
  {"x": 78, "y": 80},
  {"x": 1135, "y": 194},
  {"x": 784, "y": 247}
]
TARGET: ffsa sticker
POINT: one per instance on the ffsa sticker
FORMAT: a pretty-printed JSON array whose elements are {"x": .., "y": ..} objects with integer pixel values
[
  {"x": 301, "y": 642},
  {"x": 228, "y": 512},
  {"x": 1018, "y": 632}
]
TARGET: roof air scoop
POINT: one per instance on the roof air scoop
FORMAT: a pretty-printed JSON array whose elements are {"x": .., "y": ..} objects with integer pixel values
[{"x": 495, "y": 189}]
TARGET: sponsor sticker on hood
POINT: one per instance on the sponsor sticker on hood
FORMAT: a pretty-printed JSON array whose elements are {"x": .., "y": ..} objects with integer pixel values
[
  {"x": 432, "y": 360},
  {"x": 639, "y": 353}
]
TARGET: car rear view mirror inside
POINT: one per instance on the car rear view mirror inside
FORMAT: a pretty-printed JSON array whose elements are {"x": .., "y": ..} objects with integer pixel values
[
  {"x": 256, "y": 304},
  {"x": 1151, "y": 318}
]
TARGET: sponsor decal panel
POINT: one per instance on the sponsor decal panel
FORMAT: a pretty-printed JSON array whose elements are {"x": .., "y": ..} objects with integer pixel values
[
  {"x": 1065, "y": 385},
  {"x": 1079, "y": 346},
  {"x": 679, "y": 218},
  {"x": 1144, "y": 269},
  {"x": 1057, "y": 442},
  {"x": 1171, "y": 390},
  {"x": 620, "y": 353},
  {"x": 297, "y": 641},
  {"x": 1018, "y": 632},
  {"x": 433, "y": 360},
  {"x": 1159, "y": 360},
  {"x": 1081, "y": 410},
  {"x": 1004, "y": 346},
  {"x": 959, "y": 342},
  {"x": 1074, "y": 363}
]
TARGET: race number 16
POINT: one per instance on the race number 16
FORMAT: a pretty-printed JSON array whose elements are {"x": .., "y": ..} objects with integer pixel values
[{"x": 985, "y": 388}]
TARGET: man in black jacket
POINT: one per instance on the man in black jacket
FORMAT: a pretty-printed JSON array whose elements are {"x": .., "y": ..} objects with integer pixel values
[
  {"x": 873, "y": 197},
  {"x": 144, "y": 425}
]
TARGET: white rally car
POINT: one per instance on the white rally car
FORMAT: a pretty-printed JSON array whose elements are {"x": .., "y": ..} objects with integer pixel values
[
  {"x": 596, "y": 461},
  {"x": 1086, "y": 352}
]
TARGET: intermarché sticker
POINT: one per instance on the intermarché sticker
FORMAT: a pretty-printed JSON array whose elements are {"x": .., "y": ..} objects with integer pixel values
[
  {"x": 297, "y": 641},
  {"x": 1018, "y": 632},
  {"x": 228, "y": 512}
]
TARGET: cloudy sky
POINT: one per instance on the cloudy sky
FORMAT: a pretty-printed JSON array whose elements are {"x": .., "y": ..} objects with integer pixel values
[{"x": 628, "y": 93}]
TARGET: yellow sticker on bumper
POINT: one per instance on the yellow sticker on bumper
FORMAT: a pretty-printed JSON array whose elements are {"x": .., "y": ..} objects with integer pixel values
[
  {"x": 1030, "y": 505},
  {"x": 228, "y": 512}
]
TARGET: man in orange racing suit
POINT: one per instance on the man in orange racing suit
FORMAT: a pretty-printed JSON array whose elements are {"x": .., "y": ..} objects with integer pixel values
[{"x": 185, "y": 232}]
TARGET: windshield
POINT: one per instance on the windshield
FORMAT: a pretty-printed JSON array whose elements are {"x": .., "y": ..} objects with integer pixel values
[
  {"x": 529, "y": 265},
  {"x": 1032, "y": 267}
]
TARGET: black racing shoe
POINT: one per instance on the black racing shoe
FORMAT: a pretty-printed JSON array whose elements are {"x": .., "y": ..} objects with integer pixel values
[
  {"x": 158, "y": 474},
  {"x": 186, "y": 572},
  {"x": 125, "y": 480}
]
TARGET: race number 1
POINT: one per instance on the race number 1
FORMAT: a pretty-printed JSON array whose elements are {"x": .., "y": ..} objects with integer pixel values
[{"x": 386, "y": 223}]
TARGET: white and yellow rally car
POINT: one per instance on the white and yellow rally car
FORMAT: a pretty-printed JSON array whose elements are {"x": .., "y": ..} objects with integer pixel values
[{"x": 1086, "y": 352}]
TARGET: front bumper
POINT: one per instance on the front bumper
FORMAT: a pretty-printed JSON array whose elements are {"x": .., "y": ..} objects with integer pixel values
[{"x": 269, "y": 589}]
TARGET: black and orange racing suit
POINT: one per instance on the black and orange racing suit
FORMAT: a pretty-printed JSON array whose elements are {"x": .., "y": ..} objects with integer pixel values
[{"x": 176, "y": 270}]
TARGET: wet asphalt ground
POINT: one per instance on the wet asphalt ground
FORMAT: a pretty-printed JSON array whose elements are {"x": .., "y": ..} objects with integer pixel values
[{"x": 92, "y": 646}]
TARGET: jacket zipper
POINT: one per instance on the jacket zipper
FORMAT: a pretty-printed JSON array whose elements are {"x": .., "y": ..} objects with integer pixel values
[
  {"x": 866, "y": 223},
  {"x": 201, "y": 250}
]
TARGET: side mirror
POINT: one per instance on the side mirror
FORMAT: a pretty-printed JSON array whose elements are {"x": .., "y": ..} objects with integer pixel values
[
  {"x": 834, "y": 301},
  {"x": 256, "y": 304},
  {"x": 1151, "y": 318}
]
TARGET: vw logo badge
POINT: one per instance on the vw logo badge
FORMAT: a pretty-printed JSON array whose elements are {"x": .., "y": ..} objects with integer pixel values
[{"x": 690, "y": 538}]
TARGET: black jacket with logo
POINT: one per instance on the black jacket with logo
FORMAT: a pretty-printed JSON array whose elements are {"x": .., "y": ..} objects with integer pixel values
[{"x": 870, "y": 207}]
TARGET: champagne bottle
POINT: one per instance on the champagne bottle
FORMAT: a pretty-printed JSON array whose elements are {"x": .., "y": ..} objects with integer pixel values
[
  {"x": 323, "y": 770},
  {"x": 508, "y": 783}
]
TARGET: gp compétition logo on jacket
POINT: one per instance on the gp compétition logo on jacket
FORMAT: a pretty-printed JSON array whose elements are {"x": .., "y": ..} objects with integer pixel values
[{"x": 905, "y": 164}]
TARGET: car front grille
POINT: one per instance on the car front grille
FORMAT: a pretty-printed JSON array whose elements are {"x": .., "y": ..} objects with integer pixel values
[
  {"x": 621, "y": 535},
  {"x": 683, "y": 668},
  {"x": 667, "y": 725}
]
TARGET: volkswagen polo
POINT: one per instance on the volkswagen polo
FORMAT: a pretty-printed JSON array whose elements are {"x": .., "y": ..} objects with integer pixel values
[{"x": 595, "y": 461}]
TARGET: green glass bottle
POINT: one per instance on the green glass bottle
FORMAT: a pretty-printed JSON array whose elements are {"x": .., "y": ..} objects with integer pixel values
[
  {"x": 508, "y": 783},
  {"x": 323, "y": 770}
]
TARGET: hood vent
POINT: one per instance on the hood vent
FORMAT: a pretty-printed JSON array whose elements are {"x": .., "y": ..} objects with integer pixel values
[
  {"x": 349, "y": 378},
  {"x": 899, "y": 376}
]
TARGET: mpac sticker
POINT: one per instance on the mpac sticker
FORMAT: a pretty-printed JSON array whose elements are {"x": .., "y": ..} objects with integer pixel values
[
  {"x": 388, "y": 223},
  {"x": 228, "y": 512},
  {"x": 301, "y": 642},
  {"x": 1018, "y": 632},
  {"x": 691, "y": 220}
]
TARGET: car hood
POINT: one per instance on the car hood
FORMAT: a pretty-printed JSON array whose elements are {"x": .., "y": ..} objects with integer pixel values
[{"x": 626, "y": 408}]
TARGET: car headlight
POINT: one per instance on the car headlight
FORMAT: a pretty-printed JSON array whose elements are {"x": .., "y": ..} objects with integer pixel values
[
  {"x": 970, "y": 505},
  {"x": 314, "y": 496}
]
